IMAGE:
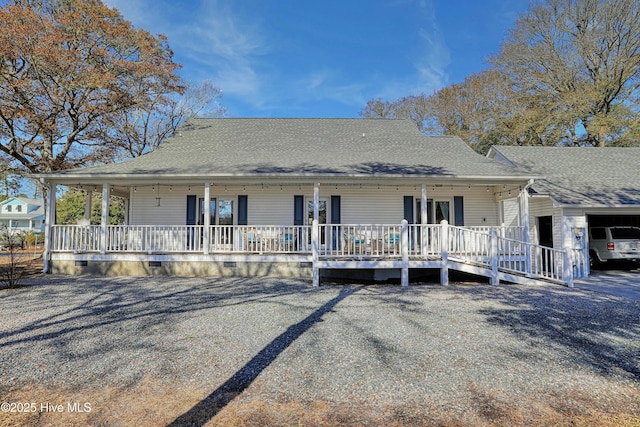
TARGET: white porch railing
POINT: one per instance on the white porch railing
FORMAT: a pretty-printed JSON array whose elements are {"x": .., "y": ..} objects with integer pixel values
[
  {"x": 508, "y": 232},
  {"x": 295, "y": 239},
  {"x": 491, "y": 250},
  {"x": 378, "y": 240},
  {"x": 75, "y": 238},
  {"x": 486, "y": 247},
  {"x": 153, "y": 238}
]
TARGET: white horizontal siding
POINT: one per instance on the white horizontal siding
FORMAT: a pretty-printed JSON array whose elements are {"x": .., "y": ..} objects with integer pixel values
[
  {"x": 538, "y": 207},
  {"x": 480, "y": 207},
  {"x": 273, "y": 205},
  {"x": 172, "y": 209},
  {"x": 371, "y": 206},
  {"x": 510, "y": 212}
]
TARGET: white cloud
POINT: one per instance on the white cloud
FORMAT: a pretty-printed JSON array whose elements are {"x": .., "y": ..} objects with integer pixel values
[
  {"x": 434, "y": 57},
  {"x": 219, "y": 31},
  {"x": 217, "y": 43}
]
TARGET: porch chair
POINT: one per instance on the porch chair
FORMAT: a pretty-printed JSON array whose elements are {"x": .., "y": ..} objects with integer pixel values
[
  {"x": 252, "y": 240},
  {"x": 287, "y": 241},
  {"x": 391, "y": 243},
  {"x": 355, "y": 243}
]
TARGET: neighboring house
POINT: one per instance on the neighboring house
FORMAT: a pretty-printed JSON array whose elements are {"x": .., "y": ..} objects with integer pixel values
[
  {"x": 20, "y": 214},
  {"x": 303, "y": 197},
  {"x": 582, "y": 187}
]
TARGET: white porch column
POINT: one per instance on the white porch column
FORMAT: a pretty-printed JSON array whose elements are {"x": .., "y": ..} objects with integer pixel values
[
  {"x": 127, "y": 212},
  {"x": 207, "y": 217},
  {"x": 423, "y": 205},
  {"x": 424, "y": 220},
  {"x": 493, "y": 254},
  {"x": 315, "y": 249},
  {"x": 524, "y": 218},
  {"x": 525, "y": 212},
  {"x": 49, "y": 220},
  {"x": 87, "y": 206},
  {"x": 444, "y": 253},
  {"x": 404, "y": 250},
  {"x": 104, "y": 218},
  {"x": 316, "y": 201}
]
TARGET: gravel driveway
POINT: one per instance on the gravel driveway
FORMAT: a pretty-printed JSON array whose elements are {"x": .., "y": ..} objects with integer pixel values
[{"x": 195, "y": 351}]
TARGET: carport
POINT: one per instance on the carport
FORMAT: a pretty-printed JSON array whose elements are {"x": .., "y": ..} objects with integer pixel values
[
  {"x": 613, "y": 220},
  {"x": 578, "y": 188}
]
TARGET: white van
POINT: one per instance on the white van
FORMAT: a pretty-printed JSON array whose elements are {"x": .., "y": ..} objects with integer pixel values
[{"x": 614, "y": 243}]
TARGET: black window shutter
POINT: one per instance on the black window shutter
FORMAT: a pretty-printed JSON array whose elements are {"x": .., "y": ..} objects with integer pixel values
[
  {"x": 335, "y": 210},
  {"x": 298, "y": 210},
  {"x": 191, "y": 209},
  {"x": 458, "y": 208},
  {"x": 408, "y": 209},
  {"x": 243, "y": 214}
]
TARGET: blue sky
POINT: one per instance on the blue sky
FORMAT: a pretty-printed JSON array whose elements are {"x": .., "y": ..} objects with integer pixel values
[{"x": 304, "y": 58}]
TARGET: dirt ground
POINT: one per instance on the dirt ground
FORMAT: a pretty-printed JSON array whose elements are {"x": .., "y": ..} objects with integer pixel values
[{"x": 154, "y": 403}]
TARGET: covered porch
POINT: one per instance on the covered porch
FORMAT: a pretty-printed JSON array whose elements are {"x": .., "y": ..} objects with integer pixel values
[{"x": 230, "y": 230}]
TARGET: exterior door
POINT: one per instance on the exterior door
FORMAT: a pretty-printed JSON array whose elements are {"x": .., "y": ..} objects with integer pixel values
[
  {"x": 437, "y": 210},
  {"x": 545, "y": 231}
]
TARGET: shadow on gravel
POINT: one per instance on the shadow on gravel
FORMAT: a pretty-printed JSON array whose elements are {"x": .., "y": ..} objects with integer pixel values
[
  {"x": 600, "y": 332},
  {"x": 209, "y": 407},
  {"x": 97, "y": 304}
]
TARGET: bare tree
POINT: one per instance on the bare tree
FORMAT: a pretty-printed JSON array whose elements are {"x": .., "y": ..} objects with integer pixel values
[
  {"x": 379, "y": 109},
  {"x": 14, "y": 263},
  {"x": 142, "y": 129},
  {"x": 414, "y": 107},
  {"x": 482, "y": 110},
  {"x": 577, "y": 63}
]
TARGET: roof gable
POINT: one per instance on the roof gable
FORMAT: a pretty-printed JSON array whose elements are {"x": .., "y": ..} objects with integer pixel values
[{"x": 30, "y": 208}]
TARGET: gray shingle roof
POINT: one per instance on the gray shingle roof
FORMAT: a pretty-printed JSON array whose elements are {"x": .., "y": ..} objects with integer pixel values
[
  {"x": 581, "y": 176},
  {"x": 303, "y": 147}
]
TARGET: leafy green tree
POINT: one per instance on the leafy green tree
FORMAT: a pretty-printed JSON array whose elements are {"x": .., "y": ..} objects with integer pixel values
[{"x": 70, "y": 208}]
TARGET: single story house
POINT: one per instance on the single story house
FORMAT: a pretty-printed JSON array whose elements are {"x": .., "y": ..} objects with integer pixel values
[
  {"x": 304, "y": 197},
  {"x": 579, "y": 188},
  {"x": 22, "y": 215}
]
